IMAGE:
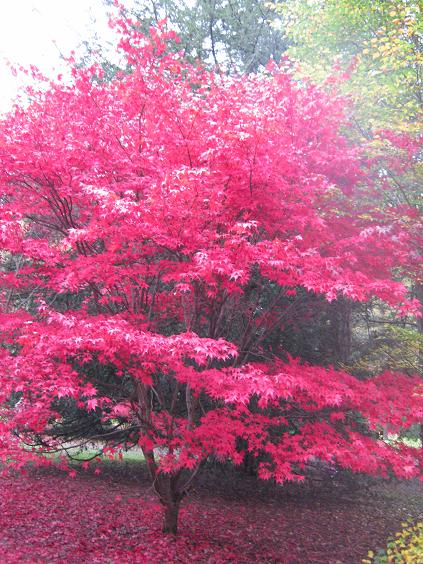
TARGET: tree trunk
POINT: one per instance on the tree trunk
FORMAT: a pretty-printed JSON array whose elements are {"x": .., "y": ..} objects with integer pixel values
[
  {"x": 418, "y": 291},
  {"x": 341, "y": 322},
  {"x": 170, "y": 518}
]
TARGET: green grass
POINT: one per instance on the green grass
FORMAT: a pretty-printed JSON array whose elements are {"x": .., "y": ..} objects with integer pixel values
[
  {"x": 82, "y": 455},
  {"x": 413, "y": 442}
]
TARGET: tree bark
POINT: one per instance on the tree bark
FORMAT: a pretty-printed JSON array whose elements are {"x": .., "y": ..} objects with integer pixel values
[
  {"x": 341, "y": 321},
  {"x": 418, "y": 291},
  {"x": 170, "y": 518}
]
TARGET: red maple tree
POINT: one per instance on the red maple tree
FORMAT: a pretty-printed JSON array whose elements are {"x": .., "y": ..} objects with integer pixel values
[{"x": 155, "y": 230}]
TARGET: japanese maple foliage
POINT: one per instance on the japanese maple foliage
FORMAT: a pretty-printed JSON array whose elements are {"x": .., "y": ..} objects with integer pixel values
[{"x": 145, "y": 221}]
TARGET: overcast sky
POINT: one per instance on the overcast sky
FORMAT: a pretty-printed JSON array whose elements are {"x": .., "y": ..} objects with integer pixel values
[{"x": 37, "y": 31}]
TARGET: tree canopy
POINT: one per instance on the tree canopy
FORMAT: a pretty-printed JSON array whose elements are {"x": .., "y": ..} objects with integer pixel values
[{"x": 156, "y": 231}]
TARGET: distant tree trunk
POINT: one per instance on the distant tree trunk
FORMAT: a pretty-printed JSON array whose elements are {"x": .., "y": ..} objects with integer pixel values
[
  {"x": 418, "y": 291},
  {"x": 250, "y": 464},
  {"x": 340, "y": 319}
]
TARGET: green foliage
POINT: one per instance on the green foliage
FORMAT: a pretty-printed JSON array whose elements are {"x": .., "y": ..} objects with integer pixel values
[
  {"x": 406, "y": 547},
  {"x": 394, "y": 348},
  {"x": 232, "y": 35},
  {"x": 381, "y": 40},
  {"x": 374, "y": 49}
]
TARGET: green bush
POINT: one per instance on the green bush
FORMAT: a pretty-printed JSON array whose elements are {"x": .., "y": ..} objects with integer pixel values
[{"x": 406, "y": 547}]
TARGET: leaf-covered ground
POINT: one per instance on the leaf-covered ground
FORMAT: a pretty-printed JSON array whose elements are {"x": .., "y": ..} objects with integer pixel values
[{"x": 114, "y": 518}]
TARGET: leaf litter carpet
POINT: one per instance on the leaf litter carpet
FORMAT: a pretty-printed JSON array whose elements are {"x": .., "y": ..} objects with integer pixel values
[{"x": 114, "y": 517}]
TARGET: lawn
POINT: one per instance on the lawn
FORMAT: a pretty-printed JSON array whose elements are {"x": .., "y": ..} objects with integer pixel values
[{"x": 113, "y": 517}]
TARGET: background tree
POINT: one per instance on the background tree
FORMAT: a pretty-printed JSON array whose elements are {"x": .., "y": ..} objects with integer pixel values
[
  {"x": 375, "y": 48},
  {"x": 235, "y": 36},
  {"x": 379, "y": 44}
]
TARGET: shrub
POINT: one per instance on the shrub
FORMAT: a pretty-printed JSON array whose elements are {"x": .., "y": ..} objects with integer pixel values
[{"x": 405, "y": 547}]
